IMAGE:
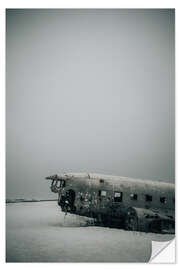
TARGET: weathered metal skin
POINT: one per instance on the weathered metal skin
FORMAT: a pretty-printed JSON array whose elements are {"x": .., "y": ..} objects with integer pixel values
[{"x": 133, "y": 204}]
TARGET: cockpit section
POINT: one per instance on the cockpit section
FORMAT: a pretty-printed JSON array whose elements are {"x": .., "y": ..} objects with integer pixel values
[
  {"x": 57, "y": 185},
  {"x": 66, "y": 196}
]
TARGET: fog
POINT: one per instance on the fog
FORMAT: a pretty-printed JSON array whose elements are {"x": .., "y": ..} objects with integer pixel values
[{"x": 88, "y": 91}]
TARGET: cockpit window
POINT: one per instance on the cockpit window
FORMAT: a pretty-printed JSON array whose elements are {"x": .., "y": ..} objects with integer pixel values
[
  {"x": 58, "y": 184},
  {"x": 63, "y": 183}
]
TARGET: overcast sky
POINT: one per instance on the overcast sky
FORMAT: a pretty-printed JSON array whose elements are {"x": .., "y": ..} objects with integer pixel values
[{"x": 88, "y": 91}]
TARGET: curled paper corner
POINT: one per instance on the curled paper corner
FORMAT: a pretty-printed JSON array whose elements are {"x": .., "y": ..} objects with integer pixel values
[{"x": 163, "y": 252}]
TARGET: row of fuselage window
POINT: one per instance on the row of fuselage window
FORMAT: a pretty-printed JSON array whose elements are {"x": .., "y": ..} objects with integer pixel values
[{"x": 118, "y": 197}]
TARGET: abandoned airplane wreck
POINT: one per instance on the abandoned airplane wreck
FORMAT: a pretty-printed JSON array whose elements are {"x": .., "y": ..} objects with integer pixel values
[{"x": 115, "y": 201}]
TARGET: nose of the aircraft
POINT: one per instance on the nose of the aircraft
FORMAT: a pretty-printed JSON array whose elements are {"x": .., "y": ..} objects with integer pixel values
[{"x": 51, "y": 177}]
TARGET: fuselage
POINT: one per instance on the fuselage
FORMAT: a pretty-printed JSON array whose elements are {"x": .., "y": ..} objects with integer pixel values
[{"x": 106, "y": 196}]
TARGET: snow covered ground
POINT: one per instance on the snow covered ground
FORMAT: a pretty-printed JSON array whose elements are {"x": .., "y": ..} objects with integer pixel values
[{"x": 40, "y": 232}]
